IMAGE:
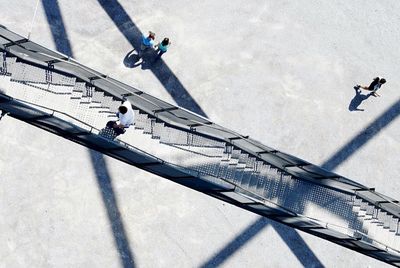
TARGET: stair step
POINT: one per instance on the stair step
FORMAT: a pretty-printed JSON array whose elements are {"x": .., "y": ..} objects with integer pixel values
[
  {"x": 247, "y": 178},
  {"x": 254, "y": 180},
  {"x": 199, "y": 153},
  {"x": 223, "y": 168},
  {"x": 394, "y": 223}
]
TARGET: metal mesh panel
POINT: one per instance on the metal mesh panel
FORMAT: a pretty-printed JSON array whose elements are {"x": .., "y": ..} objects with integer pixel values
[{"x": 200, "y": 154}]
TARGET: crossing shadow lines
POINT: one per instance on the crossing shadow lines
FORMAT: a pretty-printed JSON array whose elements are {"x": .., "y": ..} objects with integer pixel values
[
  {"x": 292, "y": 239},
  {"x": 181, "y": 96},
  {"x": 60, "y": 37},
  {"x": 333, "y": 162}
]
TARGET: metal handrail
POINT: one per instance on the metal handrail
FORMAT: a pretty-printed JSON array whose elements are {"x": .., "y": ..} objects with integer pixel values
[
  {"x": 237, "y": 188},
  {"x": 377, "y": 194},
  {"x": 53, "y": 112},
  {"x": 327, "y": 224},
  {"x": 213, "y": 126}
]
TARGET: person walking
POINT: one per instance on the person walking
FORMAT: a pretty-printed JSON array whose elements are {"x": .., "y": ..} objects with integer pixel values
[
  {"x": 162, "y": 47},
  {"x": 126, "y": 118},
  {"x": 147, "y": 42},
  {"x": 374, "y": 86}
]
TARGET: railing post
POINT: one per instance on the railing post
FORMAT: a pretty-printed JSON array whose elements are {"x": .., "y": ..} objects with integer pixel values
[
  {"x": 49, "y": 72},
  {"x": 3, "y": 69}
]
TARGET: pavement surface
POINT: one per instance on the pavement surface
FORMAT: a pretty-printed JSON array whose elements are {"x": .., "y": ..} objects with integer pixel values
[{"x": 280, "y": 71}]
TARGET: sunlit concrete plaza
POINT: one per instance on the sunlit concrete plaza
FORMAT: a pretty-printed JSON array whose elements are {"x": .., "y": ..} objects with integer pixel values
[{"x": 281, "y": 72}]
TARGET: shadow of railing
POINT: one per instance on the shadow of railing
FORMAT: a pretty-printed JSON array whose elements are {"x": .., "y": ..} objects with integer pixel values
[{"x": 60, "y": 37}]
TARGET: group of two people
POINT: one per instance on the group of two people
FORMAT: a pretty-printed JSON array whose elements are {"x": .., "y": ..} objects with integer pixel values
[
  {"x": 125, "y": 114},
  {"x": 149, "y": 42}
]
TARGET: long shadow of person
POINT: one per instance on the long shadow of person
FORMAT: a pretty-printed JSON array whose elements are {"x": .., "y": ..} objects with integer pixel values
[
  {"x": 132, "y": 59},
  {"x": 357, "y": 100},
  {"x": 145, "y": 59}
]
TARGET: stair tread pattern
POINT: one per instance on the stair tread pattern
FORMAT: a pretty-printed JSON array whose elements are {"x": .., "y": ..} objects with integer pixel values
[{"x": 205, "y": 156}]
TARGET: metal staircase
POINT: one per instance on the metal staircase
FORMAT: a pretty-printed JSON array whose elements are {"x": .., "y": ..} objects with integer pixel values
[{"x": 237, "y": 169}]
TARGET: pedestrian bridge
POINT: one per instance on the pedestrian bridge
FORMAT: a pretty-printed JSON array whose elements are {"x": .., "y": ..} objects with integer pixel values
[{"x": 53, "y": 92}]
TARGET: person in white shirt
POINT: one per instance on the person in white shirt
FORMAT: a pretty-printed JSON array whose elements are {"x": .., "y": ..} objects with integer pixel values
[{"x": 126, "y": 118}]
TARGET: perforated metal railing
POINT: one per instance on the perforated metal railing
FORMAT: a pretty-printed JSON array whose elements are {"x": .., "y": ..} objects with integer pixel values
[{"x": 43, "y": 78}]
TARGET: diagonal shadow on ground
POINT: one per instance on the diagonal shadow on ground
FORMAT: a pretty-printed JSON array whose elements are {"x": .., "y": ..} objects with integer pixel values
[
  {"x": 60, "y": 37},
  {"x": 57, "y": 27},
  {"x": 363, "y": 137},
  {"x": 382, "y": 121},
  {"x": 297, "y": 245},
  {"x": 161, "y": 70},
  {"x": 114, "y": 216},
  {"x": 171, "y": 83},
  {"x": 333, "y": 162}
]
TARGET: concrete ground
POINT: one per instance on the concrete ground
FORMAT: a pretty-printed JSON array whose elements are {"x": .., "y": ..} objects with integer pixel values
[{"x": 280, "y": 71}]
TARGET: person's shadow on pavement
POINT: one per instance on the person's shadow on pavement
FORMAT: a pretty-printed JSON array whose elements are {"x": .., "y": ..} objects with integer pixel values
[
  {"x": 132, "y": 59},
  {"x": 145, "y": 60},
  {"x": 357, "y": 100}
]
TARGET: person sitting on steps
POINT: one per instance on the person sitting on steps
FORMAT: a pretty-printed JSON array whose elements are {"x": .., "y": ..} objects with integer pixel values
[{"x": 126, "y": 118}]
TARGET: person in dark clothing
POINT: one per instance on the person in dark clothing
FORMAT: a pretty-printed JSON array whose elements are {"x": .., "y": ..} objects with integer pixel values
[{"x": 374, "y": 86}]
